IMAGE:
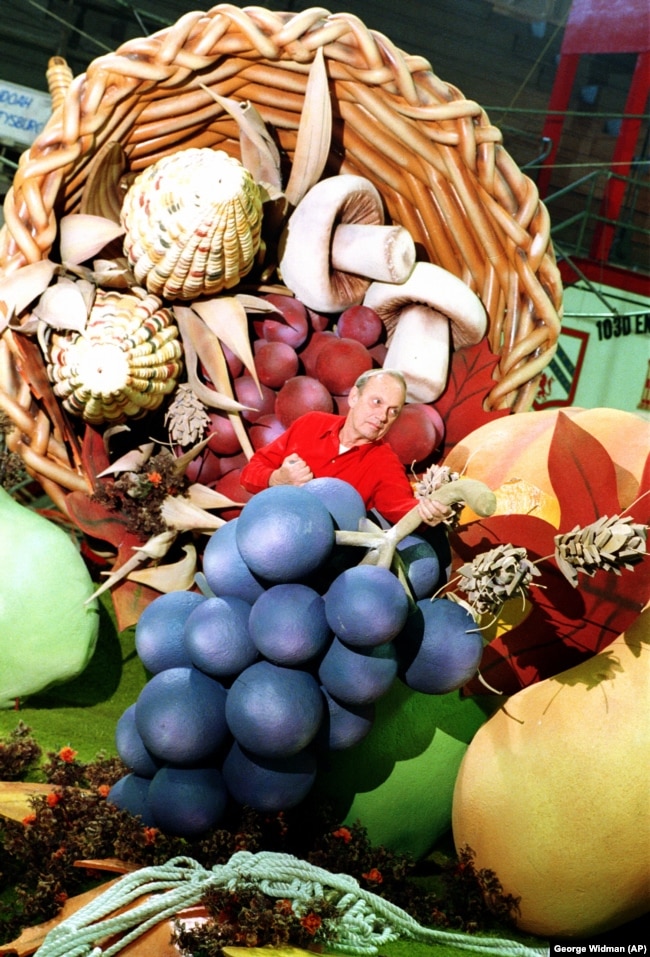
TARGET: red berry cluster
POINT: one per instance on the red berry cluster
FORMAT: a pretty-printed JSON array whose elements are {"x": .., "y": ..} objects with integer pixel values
[{"x": 305, "y": 362}]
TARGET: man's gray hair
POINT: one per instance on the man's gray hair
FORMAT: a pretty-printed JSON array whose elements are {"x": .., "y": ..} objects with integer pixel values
[{"x": 365, "y": 377}]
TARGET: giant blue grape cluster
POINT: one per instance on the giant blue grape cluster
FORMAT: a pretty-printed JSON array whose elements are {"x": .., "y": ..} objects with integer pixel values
[{"x": 278, "y": 659}]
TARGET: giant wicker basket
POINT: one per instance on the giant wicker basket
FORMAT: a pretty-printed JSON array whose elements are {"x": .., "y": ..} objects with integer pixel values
[{"x": 435, "y": 157}]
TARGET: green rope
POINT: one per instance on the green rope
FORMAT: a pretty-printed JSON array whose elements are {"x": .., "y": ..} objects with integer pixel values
[{"x": 363, "y": 923}]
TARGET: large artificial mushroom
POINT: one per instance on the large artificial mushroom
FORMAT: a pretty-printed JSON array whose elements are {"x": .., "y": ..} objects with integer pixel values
[
  {"x": 336, "y": 243},
  {"x": 424, "y": 316}
]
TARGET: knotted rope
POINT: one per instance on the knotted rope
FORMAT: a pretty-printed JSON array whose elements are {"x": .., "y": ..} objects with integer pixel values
[{"x": 364, "y": 921}]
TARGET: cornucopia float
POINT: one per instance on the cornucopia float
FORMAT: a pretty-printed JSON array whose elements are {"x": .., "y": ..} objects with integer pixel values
[{"x": 221, "y": 226}]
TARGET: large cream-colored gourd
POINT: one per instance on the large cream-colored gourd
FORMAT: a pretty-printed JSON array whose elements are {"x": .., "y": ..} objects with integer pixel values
[{"x": 553, "y": 793}]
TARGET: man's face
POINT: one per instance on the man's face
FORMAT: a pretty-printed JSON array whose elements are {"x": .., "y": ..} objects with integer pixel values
[{"x": 373, "y": 410}]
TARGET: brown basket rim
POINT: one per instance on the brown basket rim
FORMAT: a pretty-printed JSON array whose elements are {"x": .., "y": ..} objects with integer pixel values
[{"x": 437, "y": 160}]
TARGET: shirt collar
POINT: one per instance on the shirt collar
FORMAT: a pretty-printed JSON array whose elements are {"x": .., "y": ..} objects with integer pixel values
[{"x": 334, "y": 430}]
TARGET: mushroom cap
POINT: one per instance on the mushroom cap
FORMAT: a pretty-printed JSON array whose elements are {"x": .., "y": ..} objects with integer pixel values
[
  {"x": 430, "y": 285},
  {"x": 305, "y": 245}
]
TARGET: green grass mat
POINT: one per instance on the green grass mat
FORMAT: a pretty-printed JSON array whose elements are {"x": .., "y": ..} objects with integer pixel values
[{"x": 83, "y": 713}]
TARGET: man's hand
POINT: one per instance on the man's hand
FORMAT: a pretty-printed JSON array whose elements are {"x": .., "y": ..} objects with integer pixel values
[
  {"x": 432, "y": 512},
  {"x": 293, "y": 471}
]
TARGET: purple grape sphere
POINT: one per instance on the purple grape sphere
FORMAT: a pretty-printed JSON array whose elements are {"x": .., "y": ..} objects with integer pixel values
[
  {"x": 269, "y": 784},
  {"x": 343, "y": 502},
  {"x": 358, "y": 676},
  {"x": 421, "y": 565},
  {"x": 159, "y": 631},
  {"x": 217, "y": 637},
  {"x": 131, "y": 748},
  {"x": 180, "y": 715},
  {"x": 187, "y": 802},
  {"x": 288, "y": 624},
  {"x": 440, "y": 648},
  {"x": 131, "y": 793},
  {"x": 366, "y": 605},
  {"x": 284, "y": 533},
  {"x": 274, "y": 711},
  {"x": 345, "y": 724},
  {"x": 225, "y": 570}
]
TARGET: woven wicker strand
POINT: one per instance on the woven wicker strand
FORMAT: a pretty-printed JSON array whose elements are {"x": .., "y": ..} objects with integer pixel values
[
  {"x": 35, "y": 437},
  {"x": 59, "y": 76},
  {"x": 434, "y": 156}
]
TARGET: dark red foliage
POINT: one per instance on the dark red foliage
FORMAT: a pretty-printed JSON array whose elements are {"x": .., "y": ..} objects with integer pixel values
[
  {"x": 462, "y": 404},
  {"x": 566, "y": 625},
  {"x": 103, "y": 525}
]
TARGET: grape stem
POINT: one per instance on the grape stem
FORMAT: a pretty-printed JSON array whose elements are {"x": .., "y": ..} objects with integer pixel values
[{"x": 381, "y": 543}]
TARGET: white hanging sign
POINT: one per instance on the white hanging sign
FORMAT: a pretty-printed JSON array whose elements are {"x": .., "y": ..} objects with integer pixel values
[{"x": 23, "y": 113}]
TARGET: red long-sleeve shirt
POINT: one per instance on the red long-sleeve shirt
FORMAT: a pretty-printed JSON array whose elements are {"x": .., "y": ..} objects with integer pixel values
[{"x": 373, "y": 469}]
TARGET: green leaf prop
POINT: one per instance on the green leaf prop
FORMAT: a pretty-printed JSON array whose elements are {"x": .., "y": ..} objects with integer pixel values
[{"x": 47, "y": 632}]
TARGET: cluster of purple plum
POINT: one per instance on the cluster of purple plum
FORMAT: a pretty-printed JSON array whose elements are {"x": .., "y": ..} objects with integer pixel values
[
  {"x": 304, "y": 362},
  {"x": 278, "y": 658}
]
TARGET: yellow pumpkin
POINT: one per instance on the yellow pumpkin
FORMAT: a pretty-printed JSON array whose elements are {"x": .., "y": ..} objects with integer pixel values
[
  {"x": 510, "y": 454},
  {"x": 517, "y": 446},
  {"x": 553, "y": 792},
  {"x": 516, "y": 496}
]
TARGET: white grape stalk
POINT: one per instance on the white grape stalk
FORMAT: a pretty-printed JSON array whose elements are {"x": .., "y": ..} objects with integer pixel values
[{"x": 382, "y": 543}]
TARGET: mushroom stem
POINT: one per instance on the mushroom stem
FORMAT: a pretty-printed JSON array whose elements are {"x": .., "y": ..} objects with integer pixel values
[
  {"x": 424, "y": 316},
  {"x": 382, "y": 253},
  {"x": 420, "y": 346}
]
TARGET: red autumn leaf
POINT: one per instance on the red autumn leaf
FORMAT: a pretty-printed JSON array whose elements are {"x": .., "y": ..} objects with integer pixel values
[
  {"x": 33, "y": 370},
  {"x": 639, "y": 509},
  {"x": 582, "y": 474},
  {"x": 94, "y": 520},
  {"x": 461, "y": 405},
  {"x": 129, "y": 601},
  {"x": 94, "y": 456},
  {"x": 565, "y": 625}
]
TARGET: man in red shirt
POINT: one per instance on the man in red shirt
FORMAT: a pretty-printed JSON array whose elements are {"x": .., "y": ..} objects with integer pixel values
[{"x": 350, "y": 447}]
